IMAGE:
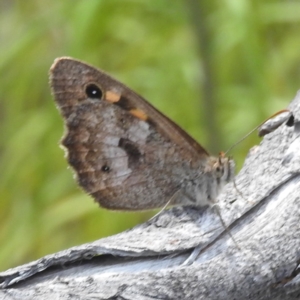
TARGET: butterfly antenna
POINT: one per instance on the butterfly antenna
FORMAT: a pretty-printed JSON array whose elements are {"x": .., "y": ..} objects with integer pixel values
[{"x": 255, "y": 128}]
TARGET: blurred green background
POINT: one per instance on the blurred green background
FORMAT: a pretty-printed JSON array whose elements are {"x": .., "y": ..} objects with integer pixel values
[{"x": 218, "y": 68}]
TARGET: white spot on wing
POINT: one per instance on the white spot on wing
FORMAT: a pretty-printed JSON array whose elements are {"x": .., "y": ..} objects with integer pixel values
[
  {"x": 139, "y": 132},
  {"x": 110, "y": 140}
]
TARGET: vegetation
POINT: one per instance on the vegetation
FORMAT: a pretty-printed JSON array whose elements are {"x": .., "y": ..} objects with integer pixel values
[{"x": 218, "y": 68}]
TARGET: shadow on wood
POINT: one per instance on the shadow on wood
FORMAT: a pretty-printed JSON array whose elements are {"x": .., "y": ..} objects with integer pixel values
[{"x": 185, "y": 253}]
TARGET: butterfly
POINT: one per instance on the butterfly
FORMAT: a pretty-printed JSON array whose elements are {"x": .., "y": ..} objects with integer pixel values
[{"x": 125, "y": 153}]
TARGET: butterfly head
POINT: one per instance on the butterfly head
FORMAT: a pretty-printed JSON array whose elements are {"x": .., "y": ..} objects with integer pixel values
[{"x": 223, "y": 169}]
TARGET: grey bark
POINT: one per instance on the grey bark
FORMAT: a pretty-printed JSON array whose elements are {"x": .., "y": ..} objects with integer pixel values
[{"x": 186, "y": 253}]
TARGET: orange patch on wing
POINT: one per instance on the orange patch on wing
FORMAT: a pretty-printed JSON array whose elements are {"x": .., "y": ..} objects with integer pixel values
[
  {"x": 139, "y": 114},
  {"x": 112, "y": 97}
]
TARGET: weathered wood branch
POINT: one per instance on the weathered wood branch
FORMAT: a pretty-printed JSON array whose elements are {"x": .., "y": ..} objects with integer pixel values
[{"x": 185, "y": 253}]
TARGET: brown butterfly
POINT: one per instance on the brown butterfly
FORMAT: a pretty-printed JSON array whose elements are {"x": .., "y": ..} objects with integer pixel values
[{"x": 126, "y": 154}]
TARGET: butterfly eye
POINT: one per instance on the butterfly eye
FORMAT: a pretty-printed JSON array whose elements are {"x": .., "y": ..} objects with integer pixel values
[
  {"x": 218, "y": 170},
  {"x": 93, "y": 91}
]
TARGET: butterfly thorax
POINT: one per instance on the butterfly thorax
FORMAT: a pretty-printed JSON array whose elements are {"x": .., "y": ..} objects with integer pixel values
[{"x": 202, "y": 190}]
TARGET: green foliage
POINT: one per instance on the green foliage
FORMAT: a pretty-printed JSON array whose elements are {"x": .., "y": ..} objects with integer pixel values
[{"x": 155, "y": 48}]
